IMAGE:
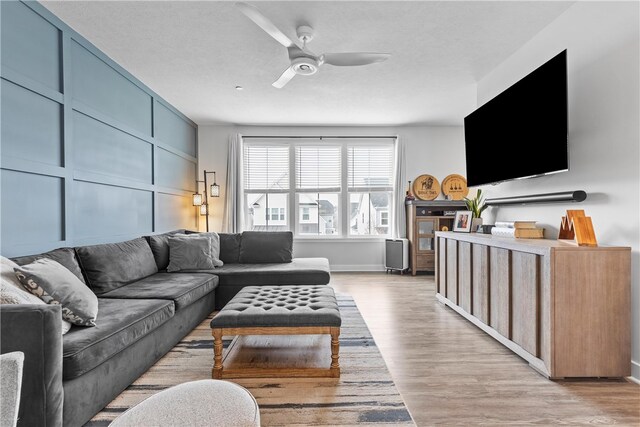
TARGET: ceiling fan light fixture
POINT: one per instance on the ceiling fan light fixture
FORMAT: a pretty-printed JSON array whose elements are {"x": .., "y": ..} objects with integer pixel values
[{"x": 305, "y": 66}]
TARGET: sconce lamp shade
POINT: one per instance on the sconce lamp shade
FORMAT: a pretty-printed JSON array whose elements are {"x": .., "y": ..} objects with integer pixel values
[
  {"x": 204, "y": 209},
  {"x": 215, "y": 190},
  {"x": 197, "y": 199}
]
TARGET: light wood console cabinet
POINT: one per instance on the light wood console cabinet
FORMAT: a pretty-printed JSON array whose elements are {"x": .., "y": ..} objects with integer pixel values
[{"x": 563, "y": 308}]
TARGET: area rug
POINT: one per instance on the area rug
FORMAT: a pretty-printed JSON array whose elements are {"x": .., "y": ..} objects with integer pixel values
[{"x": 365, "y": 394}]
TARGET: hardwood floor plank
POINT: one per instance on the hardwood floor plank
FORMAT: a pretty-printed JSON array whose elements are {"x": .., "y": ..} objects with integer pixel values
[{"x": 449, "y": 372}]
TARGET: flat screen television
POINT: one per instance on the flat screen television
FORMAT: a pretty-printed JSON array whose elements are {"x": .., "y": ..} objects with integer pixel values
[{"x": 522, "y": 132}]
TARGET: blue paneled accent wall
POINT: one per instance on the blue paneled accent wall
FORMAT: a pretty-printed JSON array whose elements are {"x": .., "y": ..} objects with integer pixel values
[{"x": 88, "y": 153}]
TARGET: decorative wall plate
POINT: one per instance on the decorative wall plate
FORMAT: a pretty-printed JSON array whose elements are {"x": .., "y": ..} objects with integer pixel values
[
  {"x": 426, "y": 187},
  {"x": 455, "y": 187}
]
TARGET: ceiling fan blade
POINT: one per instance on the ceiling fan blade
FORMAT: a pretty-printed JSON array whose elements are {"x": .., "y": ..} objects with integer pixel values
[
  {"x": 263, "y": 22},
  {"x": 284, "y": 78},
  {"x": 353, "y": 58}
]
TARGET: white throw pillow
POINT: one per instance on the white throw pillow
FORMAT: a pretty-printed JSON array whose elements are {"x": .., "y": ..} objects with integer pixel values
[{"x": 12, "y": 291}]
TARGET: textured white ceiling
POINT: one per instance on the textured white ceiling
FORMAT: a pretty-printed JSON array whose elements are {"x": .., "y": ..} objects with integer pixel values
[{"x": 194, "y": 54}]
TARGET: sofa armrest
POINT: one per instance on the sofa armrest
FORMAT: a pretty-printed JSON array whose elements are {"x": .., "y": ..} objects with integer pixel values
[{"x": 36, "y": 330}]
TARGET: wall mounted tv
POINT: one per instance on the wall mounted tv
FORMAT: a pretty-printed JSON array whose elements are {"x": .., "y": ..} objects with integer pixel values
[{"x": 522, "y": 132}]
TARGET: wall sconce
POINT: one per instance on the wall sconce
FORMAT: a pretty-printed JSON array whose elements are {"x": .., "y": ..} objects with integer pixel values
[
  {"x": 197, "y": 199},
  {"x": 215, "y": 188}
]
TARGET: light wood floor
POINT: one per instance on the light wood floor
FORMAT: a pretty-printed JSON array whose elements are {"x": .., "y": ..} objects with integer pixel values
[{"x": 450, "y": 372}]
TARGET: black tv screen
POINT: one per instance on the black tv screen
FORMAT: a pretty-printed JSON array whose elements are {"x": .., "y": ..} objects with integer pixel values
[{"x": 522, "y": 132}]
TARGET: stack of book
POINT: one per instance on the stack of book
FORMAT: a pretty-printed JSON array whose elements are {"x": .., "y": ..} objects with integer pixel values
[{"x": 521, "y": 229}]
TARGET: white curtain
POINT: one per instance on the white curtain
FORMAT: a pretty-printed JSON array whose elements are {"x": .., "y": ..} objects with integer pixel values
[
  {"x": 232, "y": 220},
  {"x": 399, "y": 212}
]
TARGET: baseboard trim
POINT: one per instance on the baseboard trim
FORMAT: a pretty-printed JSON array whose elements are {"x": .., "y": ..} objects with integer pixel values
[
  {"x": 357, "y": 267},
  {"x": 635, "y": 372}
]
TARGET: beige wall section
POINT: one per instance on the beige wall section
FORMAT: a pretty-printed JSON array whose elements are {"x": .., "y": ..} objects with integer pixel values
[
  {"x": 438, "y": 151},
  {"x": 602, "y": 42}
]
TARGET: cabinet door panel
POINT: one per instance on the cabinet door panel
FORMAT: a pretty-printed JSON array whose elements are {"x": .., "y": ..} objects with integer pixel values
[
  {"x": 500, "y": 290},
  {"x": 465, "y": 279},
  {"x": 480, "y": 280},
  {"x": 525, "y": 297},
  {"x": 452, "y": 270},
  {"x": 442, "y": 266}
]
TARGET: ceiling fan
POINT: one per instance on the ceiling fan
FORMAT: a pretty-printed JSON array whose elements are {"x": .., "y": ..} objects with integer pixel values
[{"x": 303, "y": 61}]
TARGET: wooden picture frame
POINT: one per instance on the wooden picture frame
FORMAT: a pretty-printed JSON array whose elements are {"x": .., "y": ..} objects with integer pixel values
[{"x": 462, "y": 221}]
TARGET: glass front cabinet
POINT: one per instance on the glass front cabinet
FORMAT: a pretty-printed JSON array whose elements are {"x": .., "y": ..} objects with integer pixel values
[{"x": 423, "y": 220}]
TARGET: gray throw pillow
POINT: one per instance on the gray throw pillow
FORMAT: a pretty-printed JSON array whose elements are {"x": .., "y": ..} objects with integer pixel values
[
  {"x": 109, "y": 266},
  {"x": 230, "y": 247},
  {"x": 160, "y": 247},
  {"x": 54, "y": 284},
  {"x": 192, "y": 252},
  {"x": 259, "y": 247}
]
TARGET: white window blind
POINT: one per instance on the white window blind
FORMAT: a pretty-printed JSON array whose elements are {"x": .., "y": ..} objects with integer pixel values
[
  {"x": 266, "y": 168},
  {"x": 370, "y": 168},
  {"x": 318, "y": 168}
]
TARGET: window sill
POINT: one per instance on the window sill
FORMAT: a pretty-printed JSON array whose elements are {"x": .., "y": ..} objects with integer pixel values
[{"x": 375, "y": 239}]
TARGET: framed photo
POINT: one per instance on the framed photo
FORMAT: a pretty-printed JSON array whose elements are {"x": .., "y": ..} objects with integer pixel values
[{"x": 462, "y": 222}]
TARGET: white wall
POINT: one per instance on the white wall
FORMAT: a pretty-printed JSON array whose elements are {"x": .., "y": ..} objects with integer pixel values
[
  {"x": 602, "y": 42},
  {"x": 438, "y": 151}
]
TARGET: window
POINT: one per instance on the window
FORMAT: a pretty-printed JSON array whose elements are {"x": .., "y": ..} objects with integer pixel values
[
  {"x": 384, "y": 218},
  {"x": 266, "y": 186},
  {"x": 370, "y": 186},
  {"x": 336, "y": 187}
]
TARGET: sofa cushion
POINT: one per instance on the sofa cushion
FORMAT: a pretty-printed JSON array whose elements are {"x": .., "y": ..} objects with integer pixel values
[
  {"x": 159, "y": 244},
  {"x": 65, "y": 256},
  {"x": 300, "y": 271},
  {"x": 111, "y": 265},
  {"x": 194, "y": 251},
  {"x": 54, "y": 284},
  {"x": 183, "y": 288},
  {"x": 121, "y": 323},
  {"x": 259, "y": 247},
  {"x": 230, "y": 247}
]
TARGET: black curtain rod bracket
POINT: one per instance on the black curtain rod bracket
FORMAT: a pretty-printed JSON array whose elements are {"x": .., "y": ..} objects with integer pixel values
[{"x": 564, "y": 196}]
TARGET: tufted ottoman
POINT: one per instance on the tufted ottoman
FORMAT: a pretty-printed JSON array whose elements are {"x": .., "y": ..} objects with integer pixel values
[{"x": 279, "y": 310}]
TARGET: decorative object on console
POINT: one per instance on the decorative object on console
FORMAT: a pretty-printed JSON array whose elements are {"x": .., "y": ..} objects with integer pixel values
[
  {"x": 462, "y": 222},
  {"x": 522, "y": 233},
  {"x": 409, "y": 195},
  {"x": 578, "y": 228},
  {"x": 476, "y": 205},
  {"x": 454, "y": 187},
  {"x": 426, "y": 187},
  {"x": 485, "y": 228},
  {"x": 520, "y": 229}
]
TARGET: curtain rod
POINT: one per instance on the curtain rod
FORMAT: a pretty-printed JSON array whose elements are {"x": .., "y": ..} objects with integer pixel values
[{"x": 318, "y": 137}]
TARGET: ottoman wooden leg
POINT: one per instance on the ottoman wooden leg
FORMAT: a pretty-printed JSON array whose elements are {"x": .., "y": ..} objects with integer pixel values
[
  {"x": 335, "y": 349},
  {"x": 216, "y": 372}
]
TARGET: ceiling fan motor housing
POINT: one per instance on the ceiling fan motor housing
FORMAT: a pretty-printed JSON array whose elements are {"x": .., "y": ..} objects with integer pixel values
[{"x": 304, "y": 66}]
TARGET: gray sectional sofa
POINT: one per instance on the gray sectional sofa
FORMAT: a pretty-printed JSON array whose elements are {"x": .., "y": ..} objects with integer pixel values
[{"x": 143, "y": 312}]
